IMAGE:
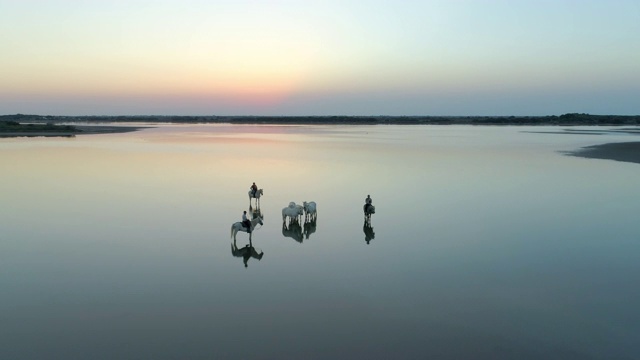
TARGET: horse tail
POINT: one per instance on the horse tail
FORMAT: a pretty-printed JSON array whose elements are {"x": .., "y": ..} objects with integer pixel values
[{"x": 232, "y": 232}]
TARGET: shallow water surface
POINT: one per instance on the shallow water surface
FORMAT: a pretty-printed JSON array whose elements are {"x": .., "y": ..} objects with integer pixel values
[{"x": 487, "y": 243}]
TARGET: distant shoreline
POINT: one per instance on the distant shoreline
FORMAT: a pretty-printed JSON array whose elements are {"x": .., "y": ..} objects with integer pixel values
[
  {"x": 76, "y": 130},
  {"x": 572, "y": 119}
]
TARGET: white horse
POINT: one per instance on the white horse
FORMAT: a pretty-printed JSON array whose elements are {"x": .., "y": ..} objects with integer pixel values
[
  {"x": 292, "y": 211},
  {"x": 259, "y": 193},
  {"x": 309, "y": 210},
  {"x": 368, "y": 211},
  {"x": 240, "y": 227}
]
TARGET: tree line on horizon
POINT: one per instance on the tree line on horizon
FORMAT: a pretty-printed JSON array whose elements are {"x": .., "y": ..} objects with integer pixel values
[{"x": 565, "y": 119}]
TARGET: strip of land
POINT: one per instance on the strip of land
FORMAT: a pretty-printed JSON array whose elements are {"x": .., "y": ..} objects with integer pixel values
[
  {"x": 15, "y": 129},
  {"x": 626, "y": 151}
]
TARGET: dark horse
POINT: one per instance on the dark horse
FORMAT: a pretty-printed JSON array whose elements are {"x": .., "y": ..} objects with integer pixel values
[{"x": 368, "y": 210}]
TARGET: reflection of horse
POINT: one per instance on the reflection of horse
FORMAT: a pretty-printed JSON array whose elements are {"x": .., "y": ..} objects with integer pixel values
[
  {"x": 255, "y": 212},
  {"x": 256, "y": 196},
  {"x": 309, "y": 210},
  {"x": 294, "y": 230},
  {"x": 368, "y": 231},
  {"x": 309, "y": 228},
  {"x": 240, "y": 227},
  {"x": 293, "y": 212},
  {"x": 246, "y": 253},
  {"x": 368, "y": 210}
]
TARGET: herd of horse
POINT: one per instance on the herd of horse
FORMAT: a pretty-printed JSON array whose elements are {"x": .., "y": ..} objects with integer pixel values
[{"x": 298, "y": 223}]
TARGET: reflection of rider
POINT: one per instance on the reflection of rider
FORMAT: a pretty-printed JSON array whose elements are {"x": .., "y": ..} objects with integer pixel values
[
  {"x": 254, "y": 188},
  {"x": 246, "y": 255},
  {"x": 246, "y": 221},
  {"x": 368, "y": 232},
  {"x": 368, "y": 202},
  {"x": 247, "y": 252}
]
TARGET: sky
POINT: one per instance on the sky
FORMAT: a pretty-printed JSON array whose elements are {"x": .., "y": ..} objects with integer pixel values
[{"x": 328, "y": 57}]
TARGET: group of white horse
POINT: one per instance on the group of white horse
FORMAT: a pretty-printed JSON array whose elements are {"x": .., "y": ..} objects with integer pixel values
[{"x": 295, "y": 212}]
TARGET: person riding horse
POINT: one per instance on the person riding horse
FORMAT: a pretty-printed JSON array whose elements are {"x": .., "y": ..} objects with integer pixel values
[
  {"x": 254, "y": 188},
  {"x": 246, "y": 221}
]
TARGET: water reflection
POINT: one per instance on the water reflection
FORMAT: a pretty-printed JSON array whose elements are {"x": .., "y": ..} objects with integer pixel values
[
  {"x": 309, "y": 228},
  {"x": 557, "y": 248},
  {"x": 368, "y": 231},
  {"x": 247, "y": 252},
  {"x": 293, "y": 230},
  {"x": 255, "y": 212}
]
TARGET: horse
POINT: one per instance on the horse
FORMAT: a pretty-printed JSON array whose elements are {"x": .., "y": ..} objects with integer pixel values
[
  {"x": 294, "y": 230},
  {"x": 240, "y": 227},
  {"x": 246, "y": 253},
  {"x": 292, "y": 211},
  {"x": 259, "y": 193},
  {"x": 309, "y": 210},
  {"x": 368, "y": 211}
]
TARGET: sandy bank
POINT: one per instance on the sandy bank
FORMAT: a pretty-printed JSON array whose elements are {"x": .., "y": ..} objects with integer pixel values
[
  {"x": 626, "y": 151},
  {"x": 80, "y": 130}
]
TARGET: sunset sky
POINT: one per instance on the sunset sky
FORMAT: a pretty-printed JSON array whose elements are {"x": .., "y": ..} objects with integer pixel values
[{"x": 328, "y": 57}]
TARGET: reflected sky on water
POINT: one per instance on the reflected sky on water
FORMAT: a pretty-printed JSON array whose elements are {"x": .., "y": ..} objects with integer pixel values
[{"x": 487, "y": 243}]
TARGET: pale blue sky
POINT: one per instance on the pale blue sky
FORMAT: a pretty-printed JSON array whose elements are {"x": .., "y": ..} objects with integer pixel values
[{"x": 320, "y": 57}]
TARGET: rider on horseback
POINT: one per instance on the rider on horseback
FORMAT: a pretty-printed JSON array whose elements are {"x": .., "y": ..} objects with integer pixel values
[
  {"x": 246, "y": 221},
  {"x": 368, "y": 202},
  {"x": 254, "y": 188}
]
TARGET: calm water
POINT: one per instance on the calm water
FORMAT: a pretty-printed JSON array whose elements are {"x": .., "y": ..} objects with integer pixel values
[{"x": 488, "y": 243}]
